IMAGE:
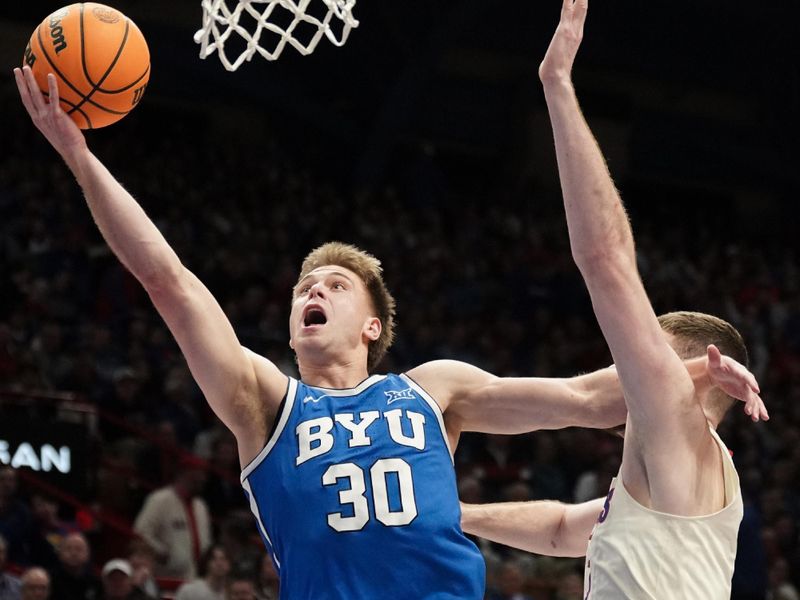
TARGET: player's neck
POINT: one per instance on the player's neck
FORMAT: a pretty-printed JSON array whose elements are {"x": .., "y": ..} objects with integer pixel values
[{"x": 335, "y": 376}]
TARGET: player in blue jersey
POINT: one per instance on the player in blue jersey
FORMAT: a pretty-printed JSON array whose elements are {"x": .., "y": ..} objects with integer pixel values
[{"x": 349, "y": 476}]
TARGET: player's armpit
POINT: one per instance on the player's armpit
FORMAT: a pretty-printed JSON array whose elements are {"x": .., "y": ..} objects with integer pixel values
[{"x": 244, "y": 393}]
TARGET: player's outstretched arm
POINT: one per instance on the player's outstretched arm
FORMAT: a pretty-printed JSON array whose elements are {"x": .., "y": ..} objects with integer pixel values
[
  {"x": 544, "y": 527},
  {"x": 476, "y": 400},
  {"x": 236, "y": 383}
]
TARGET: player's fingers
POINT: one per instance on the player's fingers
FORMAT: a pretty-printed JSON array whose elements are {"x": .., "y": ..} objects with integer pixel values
[
  {"x": 756, "y": 408},
  {"x": 36, "y": 95},
  {"x": 52, "y": 87},
  {"x": 24, "y": 92},
  {"x": 566, "y": 8},
  {"x": 754, "y": 383},
  {"x": 762, "y": 409},
  {"x": 581, "y": 8},
  {"x": 714, "y": 355}
]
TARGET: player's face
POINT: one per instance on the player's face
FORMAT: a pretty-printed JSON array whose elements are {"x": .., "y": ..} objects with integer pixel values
[{"x": 331, "y": 310}]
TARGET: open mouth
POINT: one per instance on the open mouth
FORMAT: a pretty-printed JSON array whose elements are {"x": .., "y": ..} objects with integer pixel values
[{"x": 315, "y": 316}]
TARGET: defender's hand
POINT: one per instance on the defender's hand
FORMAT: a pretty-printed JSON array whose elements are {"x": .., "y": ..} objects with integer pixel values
[
  {"x": 557, "y": 63},
  {"x": 736, "y": 381},
  {"x": 60, "y": 130}
]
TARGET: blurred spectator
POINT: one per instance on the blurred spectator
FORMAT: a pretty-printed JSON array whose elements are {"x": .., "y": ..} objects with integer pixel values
[
  {"x": 214, "y": 570},
  {"x": 9, "y": 585},
  {"x": 72, "y": 575},
  {"x": 175, "y": 522},
  {"x": 223, "y": 491},
  {"x": 570, "y": 587},
  {"x": 510, "y": 584},
  {"x": 142, "y": 559},
  {"x": 500, "y": 461},
  {"x": 241, "y": 546},
  {"x": 267, "y": 581},
  {"x": 158, "y": 462},
  {"x": 595, "y": 482},
  {"x": 15, "y": 518},
  {"x": 117, "y": 578},
  {"x": 49, "y": 531},
  {"x": 241, "y": 587},
  {"x": 35, "y": 584},
  {"x": 180, "y": 405},
  {"x": 780, "y": 586}
]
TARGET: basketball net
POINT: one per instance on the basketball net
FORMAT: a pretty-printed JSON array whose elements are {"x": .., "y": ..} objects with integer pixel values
[{"x": 220, "y": 23}]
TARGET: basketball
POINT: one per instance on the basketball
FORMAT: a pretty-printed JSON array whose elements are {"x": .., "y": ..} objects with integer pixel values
[{"x": 100, "y": 60}]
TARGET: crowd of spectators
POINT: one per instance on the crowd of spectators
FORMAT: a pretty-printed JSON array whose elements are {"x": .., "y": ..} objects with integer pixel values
[{"x": 480, "y": 275}]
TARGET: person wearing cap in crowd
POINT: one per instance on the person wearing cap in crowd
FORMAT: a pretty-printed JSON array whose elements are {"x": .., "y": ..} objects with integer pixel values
[
  {"x": 9, "y": 585},
  {"x": 72, "y": 576},
  {"x": 35, "y": 584},
  {"x": 117, "y": 577},
  {"x": 214, "y": 569},
  {"x": 175, "y": 522}
]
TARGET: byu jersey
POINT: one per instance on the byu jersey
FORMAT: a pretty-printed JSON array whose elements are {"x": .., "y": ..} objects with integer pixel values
[{"x": 355, "y": 496}]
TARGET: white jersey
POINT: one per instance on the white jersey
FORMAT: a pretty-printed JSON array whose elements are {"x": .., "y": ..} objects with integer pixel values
[{"x": 638, "y": 553}]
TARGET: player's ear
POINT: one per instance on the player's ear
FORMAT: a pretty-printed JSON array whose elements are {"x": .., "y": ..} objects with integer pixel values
[{"x": 373, "y": 328}]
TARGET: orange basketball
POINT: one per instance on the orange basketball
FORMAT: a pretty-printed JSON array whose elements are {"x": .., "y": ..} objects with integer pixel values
[{"x": 99, "y": 57}]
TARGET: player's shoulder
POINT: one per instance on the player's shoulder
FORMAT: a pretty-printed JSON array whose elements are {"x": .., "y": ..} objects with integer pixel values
[
  {"x": 446, "y": 379},
  {"x": 443, "y": 367}
]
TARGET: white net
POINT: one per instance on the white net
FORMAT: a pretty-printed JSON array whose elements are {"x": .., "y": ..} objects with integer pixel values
[{"x": 267, "y": 26}]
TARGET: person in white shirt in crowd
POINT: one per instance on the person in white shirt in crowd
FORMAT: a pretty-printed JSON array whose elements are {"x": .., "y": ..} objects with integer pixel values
[{"x": 175, "y": 522}]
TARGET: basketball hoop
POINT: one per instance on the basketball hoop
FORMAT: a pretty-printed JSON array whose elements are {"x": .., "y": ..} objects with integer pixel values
[{"x": 260, "y": 22}]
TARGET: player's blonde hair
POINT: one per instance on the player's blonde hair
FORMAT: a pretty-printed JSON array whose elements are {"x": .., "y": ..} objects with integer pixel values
[
  {"x": 368, "y": 268},
  {"x": 693, "y": 332}
]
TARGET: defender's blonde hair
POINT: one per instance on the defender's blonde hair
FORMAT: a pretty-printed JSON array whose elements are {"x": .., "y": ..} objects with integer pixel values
[{"x": 368, "y": 268}]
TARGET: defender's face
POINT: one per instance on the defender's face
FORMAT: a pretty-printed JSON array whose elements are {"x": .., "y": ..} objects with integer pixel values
[{"x": 331, "y": 308}]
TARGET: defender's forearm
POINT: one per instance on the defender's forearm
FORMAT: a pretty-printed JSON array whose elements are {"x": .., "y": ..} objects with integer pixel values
[{"x": 597, "y": 222}]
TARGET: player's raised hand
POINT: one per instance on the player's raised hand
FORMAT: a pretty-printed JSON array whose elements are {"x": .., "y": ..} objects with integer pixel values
[
  {"x": 48, "y": 116},
  {"x": 736, "y": 381},
  {"x": 557, "y": 63}
]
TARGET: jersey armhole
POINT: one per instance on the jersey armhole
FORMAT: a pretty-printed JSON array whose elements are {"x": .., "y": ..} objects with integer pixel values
[
  {"x": 284, "y": 410},
  {"x": 434, "y": 406}
]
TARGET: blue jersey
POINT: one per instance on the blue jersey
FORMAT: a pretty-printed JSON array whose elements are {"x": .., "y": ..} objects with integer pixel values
[{"x": 355, "y": 496}]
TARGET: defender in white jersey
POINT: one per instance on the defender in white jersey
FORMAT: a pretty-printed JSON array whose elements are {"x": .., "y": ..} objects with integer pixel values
[{"x": 669, "y": 524}]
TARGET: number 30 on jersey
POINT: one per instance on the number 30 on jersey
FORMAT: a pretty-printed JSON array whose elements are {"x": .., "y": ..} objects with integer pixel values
[{"x": 355, "y": 496}]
